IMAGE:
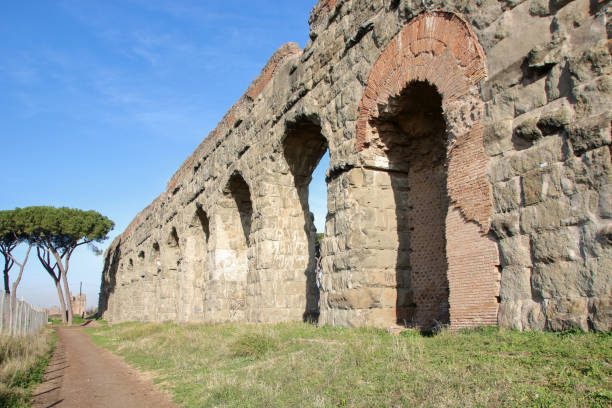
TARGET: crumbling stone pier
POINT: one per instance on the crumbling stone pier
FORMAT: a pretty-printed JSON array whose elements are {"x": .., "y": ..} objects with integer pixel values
[{"x": 469, "y": 184}]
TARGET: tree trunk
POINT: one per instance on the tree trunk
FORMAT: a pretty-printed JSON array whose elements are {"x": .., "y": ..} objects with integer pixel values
[
  {"x": 68, "y": 297},
  {"x": 64, "y": 277},
  {"x": 21, "y": 268},
  {"x": 61, "y": 299},
  {"x": 6, "y": 279},
  {"x": 43, "y": 255}
]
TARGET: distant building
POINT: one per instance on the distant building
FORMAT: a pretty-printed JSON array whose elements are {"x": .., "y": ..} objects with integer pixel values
[
  {"x": 78, "y": 305},
  {"x": 53, "y": 311}
]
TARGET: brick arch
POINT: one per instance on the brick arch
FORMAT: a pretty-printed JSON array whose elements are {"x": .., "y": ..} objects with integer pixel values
[{"x": 440, "y": 48}]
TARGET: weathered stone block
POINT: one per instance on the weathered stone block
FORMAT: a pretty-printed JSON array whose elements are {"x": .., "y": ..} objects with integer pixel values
[
  {"x": 555, "y": 119},
  {"x": 359, "y": 298},
  {"x": 515, "y": 251},
  {"x": 605, "y": 201},
  {"x": 558, "y": 245},
  {"x": 505, "y": 225},
  {"x": 377, "y": 239},
  {"x": 541, "y": 184},
  {"x": 567, "y": 314},
  {"x": 509, "y": 315},
  {"x": 497, "y": 137},
  {"x": 600, "y": 313},
  {"x": 515, "y": 283},
  {"x": 546, "y": 215},
  {"x": 507, "y": 195},
  {"x": 356, "y": 177},
  {"x": 591, "y": 133},
  {"x": 375, "y": 278},
  {"x": 522, "y": 314},
  {"x": 530, "y": 97},
  {"x": 532, "y": 316},
  {"x": 548, "y": 151},
  {"x": 374, "y": 258},
  {"x": 559, "y": 279}
]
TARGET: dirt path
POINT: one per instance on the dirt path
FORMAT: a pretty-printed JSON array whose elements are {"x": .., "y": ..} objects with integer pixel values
[{"x": 82, "y": 374}]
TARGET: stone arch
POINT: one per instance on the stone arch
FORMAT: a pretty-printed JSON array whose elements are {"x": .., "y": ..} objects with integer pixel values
[
  {"x": 436, "y": 53},
  {"x": 232, "y": 257},
  {"x": 196, "y": 263},
  {"x": 173, "y": 239},
  {"x": 111, "y": 266},
  {"x": 240, "y": 192},
  {"x": 155, "y": 253},
  {"x": 130, "y": 278},
  {"x": 303, "y": 147},
  {"x": 169, "y": 288},
  {"x": 152, "y": 268},
  {"x": 138, "y": 282},
  {"x": 201, "y": 221}
]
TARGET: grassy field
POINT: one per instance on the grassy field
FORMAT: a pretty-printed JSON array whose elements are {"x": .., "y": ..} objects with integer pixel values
[
  {"x": 299, "y": 365},
  {"x": 23, "y": 361},
  {"x": 76, "y": 320}
]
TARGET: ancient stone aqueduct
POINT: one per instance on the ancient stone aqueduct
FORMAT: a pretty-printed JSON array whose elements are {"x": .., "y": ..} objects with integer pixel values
[{"x": 469, "y": 183}]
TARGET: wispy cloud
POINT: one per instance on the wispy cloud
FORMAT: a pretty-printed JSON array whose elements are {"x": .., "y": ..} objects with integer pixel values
[
  {"x": 141, "y": 66},
  {"x": 20, "y": 68},
  {"x": 191, "y": 11}
]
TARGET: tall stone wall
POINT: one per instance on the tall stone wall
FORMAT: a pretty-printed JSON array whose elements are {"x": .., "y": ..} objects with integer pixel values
[
  {"x": 79, "y": 305},
  {"x": 470, "y": 178}
]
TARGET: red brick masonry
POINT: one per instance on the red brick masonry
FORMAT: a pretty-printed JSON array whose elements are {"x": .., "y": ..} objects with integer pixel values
[{"x": 441, "y": 49}]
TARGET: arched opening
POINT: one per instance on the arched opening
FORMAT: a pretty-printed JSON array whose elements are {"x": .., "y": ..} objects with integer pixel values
[
  {"x": 152, "y": 285},
  {"x": 173, "y": 239},
  {"x": 413, "y": 130},
  {"x": 239, "y": 190},
  {"x": 204, "y": 223},
  {"x": 111, "y": 265},
  {"x": 304, "y": 146},
  {"x": 173, "y": 289},
  {"x": 227, "y": 294},
  {"x": 156, "y": 258},
  {"x": 196, "y": 264},
  {"x": 420, "y": 56}
]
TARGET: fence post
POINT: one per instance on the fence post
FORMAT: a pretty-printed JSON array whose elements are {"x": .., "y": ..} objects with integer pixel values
[
  {"x": 26, "y": 315},
  {"x": 18, "y": 318},
  {"x": 11, "y": 312},
  {"x": 1, "y": 311}
]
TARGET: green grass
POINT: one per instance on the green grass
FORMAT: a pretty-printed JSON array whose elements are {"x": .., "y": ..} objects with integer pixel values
[
  {"x": 297, "y": 365},
  {"x": 23, "y": 361},
  {"x": 76, "y": 320}
]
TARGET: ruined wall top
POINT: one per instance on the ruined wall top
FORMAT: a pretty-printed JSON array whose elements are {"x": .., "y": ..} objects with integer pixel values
[
  {"x": 318, "y": 15},
  {"x": 217, "y": 135}
]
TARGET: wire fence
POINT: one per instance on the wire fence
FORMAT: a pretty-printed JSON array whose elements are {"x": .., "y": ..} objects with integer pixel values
[{"x": 19, "y": 318}]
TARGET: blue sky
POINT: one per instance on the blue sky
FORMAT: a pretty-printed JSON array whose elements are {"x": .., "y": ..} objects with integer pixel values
[{"x": 102, "y": 101}]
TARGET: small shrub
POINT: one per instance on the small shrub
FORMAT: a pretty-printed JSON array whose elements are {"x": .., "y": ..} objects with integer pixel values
[
  {"x": 134, "y": 331},
  {"x": 410, "y": 333},
  {"x": 77, "y": 320},
  {"x": 482, "y": 330},
  {"x": 252, "y": 345}
]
